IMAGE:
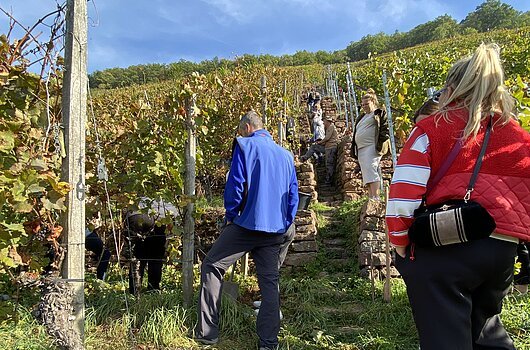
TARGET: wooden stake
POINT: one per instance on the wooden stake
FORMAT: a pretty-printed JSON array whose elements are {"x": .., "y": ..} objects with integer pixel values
[
  {"x": 74, "y": 101},
  {"x": 188, "y": 237},
  {"x": 264, "y": 100},
  {"x": 387, "y": 289}
]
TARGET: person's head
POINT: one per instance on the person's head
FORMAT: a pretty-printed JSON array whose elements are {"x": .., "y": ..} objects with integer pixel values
[
  {"x": 477, "y": 83},
  {"x": 369, "y": 101},
  {"x": 428, "y": 108},
  {"x": 249, "y": 123}
]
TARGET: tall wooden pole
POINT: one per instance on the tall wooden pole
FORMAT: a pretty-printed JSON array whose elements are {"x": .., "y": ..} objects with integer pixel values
[
  {"x": 390, "y": 122},
  {"x": 264, "y": 100},
  {"x": 387, "y": 288},
  {"x": 73, "y": 171},
  {"x": 189, "y": 222},
  {"x": 283, "y": 119}
]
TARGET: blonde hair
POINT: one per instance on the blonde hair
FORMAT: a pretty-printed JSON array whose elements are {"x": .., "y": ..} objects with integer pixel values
[
  {"x": 477, "y": 83},
  {"x": 371, "y": 96}
]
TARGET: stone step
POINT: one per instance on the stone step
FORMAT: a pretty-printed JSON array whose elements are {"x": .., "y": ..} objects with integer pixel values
[
  {"x": 335, "y": 242},
  {"x": 340, "y": 262},
  {"x": 337, "y": 252}
]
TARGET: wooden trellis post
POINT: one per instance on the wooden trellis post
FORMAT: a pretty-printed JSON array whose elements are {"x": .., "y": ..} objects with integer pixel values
[
  {"x": 189, "y": 221},
  {"x": 73, "y": 169},
  {"x": 264, "y": 100}
]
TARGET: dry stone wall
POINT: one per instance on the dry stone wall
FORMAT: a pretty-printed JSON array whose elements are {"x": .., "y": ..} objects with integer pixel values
[
  {"x": 304, "y": 247},
  {"x": 371, "y": 241},
  {"x": 329, "y": 108}
]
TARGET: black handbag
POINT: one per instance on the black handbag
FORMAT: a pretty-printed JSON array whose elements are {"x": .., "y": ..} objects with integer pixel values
[{"x": 457, "y": 220}]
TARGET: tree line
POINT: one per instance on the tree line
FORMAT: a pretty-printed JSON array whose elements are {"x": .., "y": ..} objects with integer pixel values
[{"x": 490, "y": 15}]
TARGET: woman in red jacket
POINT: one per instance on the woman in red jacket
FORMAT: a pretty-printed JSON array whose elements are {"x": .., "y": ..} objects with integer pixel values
[{"x": 456, "y": 290}]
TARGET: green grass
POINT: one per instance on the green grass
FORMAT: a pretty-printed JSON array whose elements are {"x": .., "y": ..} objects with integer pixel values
[
  {"x": 324, "y": 308},
  {"x": 327, "y": 311},
  {"x": 25, "y": 334}
]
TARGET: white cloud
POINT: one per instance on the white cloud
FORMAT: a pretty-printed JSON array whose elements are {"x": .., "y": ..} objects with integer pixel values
[{"x": 232, "y": 10}]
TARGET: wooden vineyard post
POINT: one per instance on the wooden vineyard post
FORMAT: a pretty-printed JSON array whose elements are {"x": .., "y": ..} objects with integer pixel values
[
  {"x": 244, "y": 263},
  {"x": 75, "y": 86},
  {"x": 283, "y": 119},
  {"x": 264, "y": 100},
  {"x": 189, "y": 221},
  {"x": 387, "y": 292}
]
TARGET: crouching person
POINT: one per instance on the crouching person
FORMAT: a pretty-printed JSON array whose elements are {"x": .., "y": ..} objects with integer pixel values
[
  {"x": 94, "y": 244},
  {"x": 261, "y": 199},
  {"x": 147, "y": 243}
]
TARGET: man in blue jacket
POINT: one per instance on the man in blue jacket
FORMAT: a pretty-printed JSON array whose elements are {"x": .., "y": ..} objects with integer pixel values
[{"x": 261, "y": 199}]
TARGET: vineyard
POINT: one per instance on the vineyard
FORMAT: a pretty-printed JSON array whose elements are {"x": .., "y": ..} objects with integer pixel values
[
  {"x": 136, "y": 135},
  {"x": 140, "y": 126}
]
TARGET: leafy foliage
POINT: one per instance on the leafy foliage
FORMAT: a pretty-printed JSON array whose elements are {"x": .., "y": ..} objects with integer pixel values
[
  {"x": 142, "y": 128},
  {"x": 493, "y": 14},
  {"x": 411, "y": 71},
  {"x": 31, "y": 193}
]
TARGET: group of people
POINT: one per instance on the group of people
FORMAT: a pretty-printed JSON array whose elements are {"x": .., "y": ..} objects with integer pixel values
[
  {"x": 370, "y": 141},
  {"x": 145, "y": 249},
  {"x": 455, "y": 290},
  {"x": 324, "y": 142}
]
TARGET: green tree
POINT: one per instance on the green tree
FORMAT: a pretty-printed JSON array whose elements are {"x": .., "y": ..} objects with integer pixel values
[
  {"x": 492, "y": 14},
  {"x": 442, "y": 27},
  {"x": 369, "y": 44}
]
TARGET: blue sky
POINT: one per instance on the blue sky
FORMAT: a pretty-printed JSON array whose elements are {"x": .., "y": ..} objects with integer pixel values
[{"x": 124, "y": 33}]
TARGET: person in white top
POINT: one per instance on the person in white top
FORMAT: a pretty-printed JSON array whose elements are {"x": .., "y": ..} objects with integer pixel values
[{"x": 370, "y": 142}]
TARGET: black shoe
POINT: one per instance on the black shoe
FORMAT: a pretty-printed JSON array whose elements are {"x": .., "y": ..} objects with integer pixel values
[{"x": 205, "y": 341}]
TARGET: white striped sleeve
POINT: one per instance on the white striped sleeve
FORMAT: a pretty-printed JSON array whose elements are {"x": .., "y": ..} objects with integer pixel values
[
  {"x": 411, "y": 174},
  {"x": 401, "y": 207},
  {"x": 420, "y": 144}
]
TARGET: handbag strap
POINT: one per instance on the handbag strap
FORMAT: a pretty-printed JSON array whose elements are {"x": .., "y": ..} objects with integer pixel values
[
  {"x": 446, "y": 165},
  {"x": 452, "y": 156},
  {"x": 478, "y": 164}
]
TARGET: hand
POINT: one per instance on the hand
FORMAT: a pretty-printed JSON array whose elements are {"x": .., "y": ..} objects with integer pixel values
[{"x": 402, "y": 251}]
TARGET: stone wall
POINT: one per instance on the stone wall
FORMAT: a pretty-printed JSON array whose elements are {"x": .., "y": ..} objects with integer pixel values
[
  {"x": 305, "y": 173},
  {"x": 304, "y": 247},
  {"x": 371, "y": 241},
  {"x": 349, "y": 177},
  {"x": 329, "y": 108}
]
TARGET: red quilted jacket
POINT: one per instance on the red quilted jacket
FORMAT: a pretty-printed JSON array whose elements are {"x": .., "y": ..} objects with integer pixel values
[{"x": 503, "y": 183}]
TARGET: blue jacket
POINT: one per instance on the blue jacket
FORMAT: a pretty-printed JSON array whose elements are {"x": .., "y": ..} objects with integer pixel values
[{"x": 261, "y": 192}]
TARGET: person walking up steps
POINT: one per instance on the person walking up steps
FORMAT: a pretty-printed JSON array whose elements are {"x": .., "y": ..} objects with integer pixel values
[
  {"x": 261, "y": 199},
  {"x": 456, "y": 290},
  {"x": 371, "y": 141}
]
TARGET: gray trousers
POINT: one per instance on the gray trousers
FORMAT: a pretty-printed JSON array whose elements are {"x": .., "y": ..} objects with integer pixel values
[
  {"x": 232, "y": 244},
  {"x": 456, "y": 293},
  {"x": 314, "y": 149},
  {"x": 331, "y": 153}
]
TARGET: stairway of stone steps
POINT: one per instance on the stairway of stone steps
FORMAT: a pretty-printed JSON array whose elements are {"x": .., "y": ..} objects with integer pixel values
[{"x": 336, "y": 246}]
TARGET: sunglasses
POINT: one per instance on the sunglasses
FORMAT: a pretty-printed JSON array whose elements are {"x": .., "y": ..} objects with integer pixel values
[{"x": 436, "y": 95}]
